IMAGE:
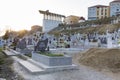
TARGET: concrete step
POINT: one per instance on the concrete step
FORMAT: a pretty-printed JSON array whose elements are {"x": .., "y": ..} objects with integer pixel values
[
  {"x": 15, "y": 52},
  {"x": 38, "y": 64},
  {"x": 53, "y": 68},
  {"x": 9, "y": 53},
  {"x": 33, "y": 69}
]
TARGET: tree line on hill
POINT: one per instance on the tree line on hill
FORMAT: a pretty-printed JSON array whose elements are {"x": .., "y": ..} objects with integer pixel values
[{"x": 21, "y": 33}]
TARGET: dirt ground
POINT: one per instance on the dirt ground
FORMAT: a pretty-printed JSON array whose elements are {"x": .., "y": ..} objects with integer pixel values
[
  {"x": 102, "y": 58},
  {"x": 6, "y": 69},
  {"x": 106, "y": 61}
]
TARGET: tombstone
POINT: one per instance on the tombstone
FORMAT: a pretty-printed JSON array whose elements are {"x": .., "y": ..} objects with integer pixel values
[
  {"x": 86, "y": 42},
  {"x": 118, "y": 38},
  {"x": 1, "y": 44},
  {"x": 21, "y": 44},
  {"x": 45, "y": 36},
  {"x": 109, "y": 40},
  {"x": 41, "y": 45},
  {"x": 73, "y": 40},
  {"x": 30, "y": 41}
]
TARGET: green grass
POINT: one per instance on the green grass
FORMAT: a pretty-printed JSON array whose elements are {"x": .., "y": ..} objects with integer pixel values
[
  {"x": 2, "y": 57},
  {"x": 54, "y": 55},
  {"x": 1, "y": 49},
  {"x": 29, "y": 55},
  {"x": 50, "y": 54}
]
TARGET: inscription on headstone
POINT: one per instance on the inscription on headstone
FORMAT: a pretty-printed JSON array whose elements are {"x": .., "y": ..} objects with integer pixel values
[{"x": 41, "y": 45}]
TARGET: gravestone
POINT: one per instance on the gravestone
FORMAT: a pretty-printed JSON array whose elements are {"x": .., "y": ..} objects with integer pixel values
[
  {"x": 1, "y": 44},
  {"x": 30, "y": 41},
  {"x": 21, "y": 44},
  {"x": 41, "y": 45},
  {"x": 109, "y": 40}
]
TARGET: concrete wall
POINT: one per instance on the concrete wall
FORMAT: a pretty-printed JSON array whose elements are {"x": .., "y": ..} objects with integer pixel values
[
  {"x": 52, "y": 61},
  {"x": 50, "y": 24}
]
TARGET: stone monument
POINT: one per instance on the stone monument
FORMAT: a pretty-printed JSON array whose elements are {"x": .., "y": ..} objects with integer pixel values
[
  {"x": 41, "y": 45},
  {"x": 109, "y": 40},
  {"x": 21, "y": 44}
]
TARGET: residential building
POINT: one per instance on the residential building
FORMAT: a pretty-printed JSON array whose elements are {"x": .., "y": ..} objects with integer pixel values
[
  {"x": 73, "y": 19},
  {"x": 115, "y": 8},
  {"x": 98, "y": 12},
  {"x": 81, "y": 19}
]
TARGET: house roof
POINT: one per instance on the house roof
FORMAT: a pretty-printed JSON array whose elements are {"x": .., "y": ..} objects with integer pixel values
[
  {"x": 81, "y": 18},
  {"x": 115, "y": 1},
  {"x": 50, "y": 13},
  {"x": 99, "y": 6}
]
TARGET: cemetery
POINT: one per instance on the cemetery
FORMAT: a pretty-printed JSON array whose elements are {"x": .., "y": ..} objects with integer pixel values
[
  {"x": 49, "y": 54},
  {"x": 45, "y": 53}
]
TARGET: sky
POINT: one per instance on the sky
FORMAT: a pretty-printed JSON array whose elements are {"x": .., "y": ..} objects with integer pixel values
[{"x": 22, "y": 14}]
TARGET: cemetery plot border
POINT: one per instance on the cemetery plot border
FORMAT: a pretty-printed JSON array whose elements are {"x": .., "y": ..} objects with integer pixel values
[{"x": 52, "y": 61}]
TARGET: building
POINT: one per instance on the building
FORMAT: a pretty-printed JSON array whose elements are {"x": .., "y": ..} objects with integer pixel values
[
  {"x": 115, "y": 8},
  {"x": 73, "y": 19},
  {"x": 51, "y": 20},
  {"x": 81, "y": 19},
  {"x": 98, "y": 12}
]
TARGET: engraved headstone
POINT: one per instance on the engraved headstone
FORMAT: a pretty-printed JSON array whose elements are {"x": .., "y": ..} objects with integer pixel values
[
  {"x": 109, "y": 40},
  {"x": 41, "y": 45},
  {"x": 30, "y": 41},
  {"x": 1, "y": 43},
  {"x": 21, "y": 44}
]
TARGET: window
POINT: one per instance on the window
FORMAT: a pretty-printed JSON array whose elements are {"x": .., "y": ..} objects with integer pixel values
[
  {"x": 101, "y": 16},
  {"x": 101, "y": 13},
  {"x": 97, "y": 12},
  {"x": 105, "y": 13},
  {"x": 117, "y": 10}
]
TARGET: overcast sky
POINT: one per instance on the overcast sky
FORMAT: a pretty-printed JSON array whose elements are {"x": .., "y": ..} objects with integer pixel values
[{"x": 19, "y": 14}]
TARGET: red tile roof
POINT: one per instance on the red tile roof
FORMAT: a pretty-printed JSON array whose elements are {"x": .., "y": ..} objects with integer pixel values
[{"x": 81, "y": 18}]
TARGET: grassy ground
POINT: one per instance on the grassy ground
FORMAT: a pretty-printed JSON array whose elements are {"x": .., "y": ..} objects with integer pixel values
[
  {"x": 50, "y": 54},
  {"x": 6, "y": 70}
]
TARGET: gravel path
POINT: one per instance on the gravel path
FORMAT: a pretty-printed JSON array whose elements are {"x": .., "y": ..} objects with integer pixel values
[{"x": 84, "y": 73}]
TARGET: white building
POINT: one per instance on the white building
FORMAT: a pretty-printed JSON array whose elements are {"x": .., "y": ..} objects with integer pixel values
[
  {"x": 51, "y": 20},
  {"x": 114, "y": 8}
]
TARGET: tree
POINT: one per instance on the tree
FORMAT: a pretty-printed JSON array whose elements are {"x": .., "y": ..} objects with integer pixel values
[
  {"x": 36, "y": 28},
  {"x": 6, "y": 36},
  {"x": 22, "y": 33}
]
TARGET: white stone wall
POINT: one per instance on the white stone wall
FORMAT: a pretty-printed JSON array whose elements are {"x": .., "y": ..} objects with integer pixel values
[{"x": 50, "y": 24}]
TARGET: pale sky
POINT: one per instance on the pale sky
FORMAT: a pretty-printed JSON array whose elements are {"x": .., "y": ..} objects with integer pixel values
[{"x": 22, "y": 14}]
